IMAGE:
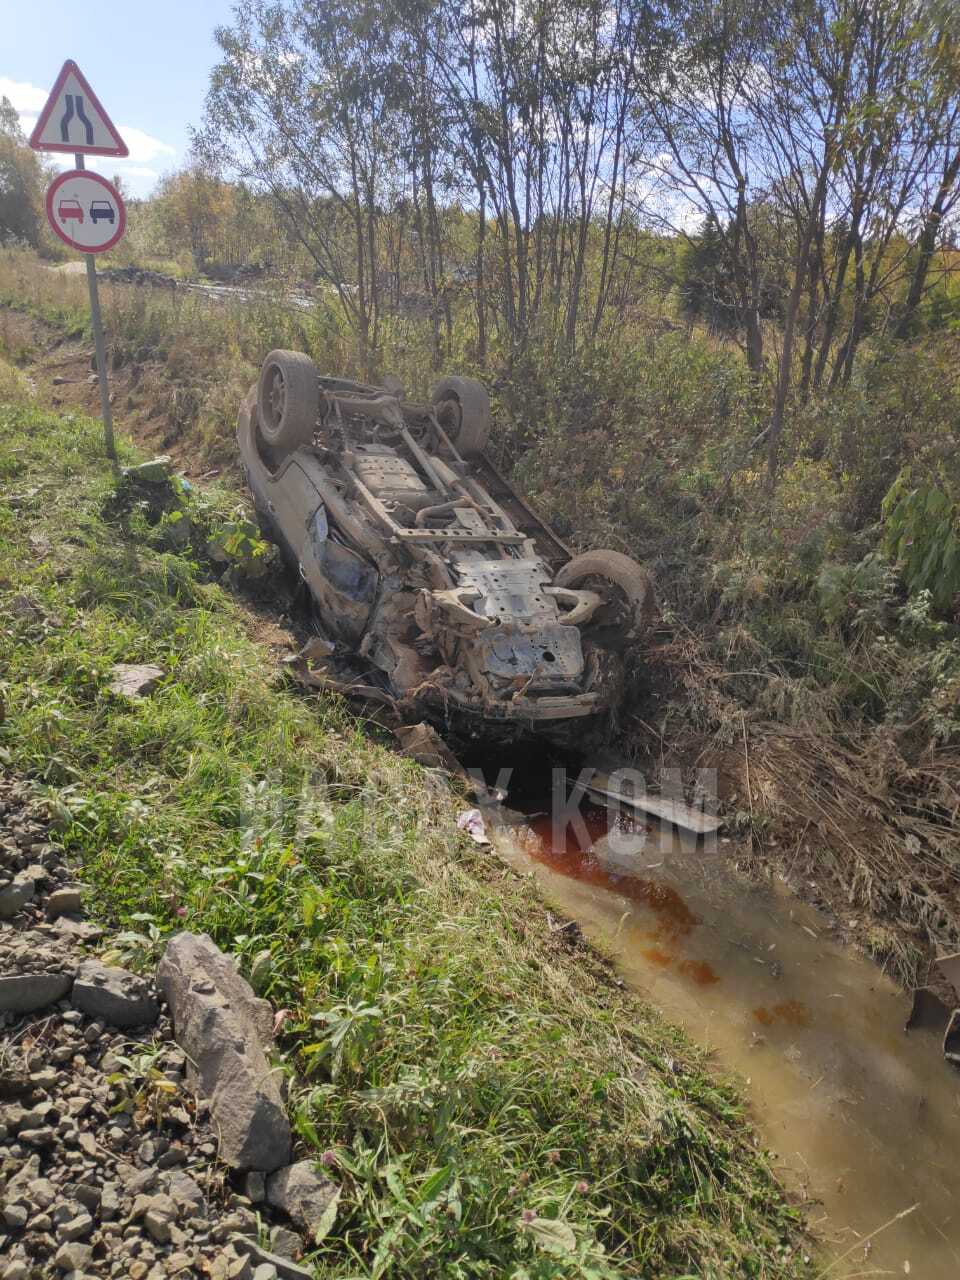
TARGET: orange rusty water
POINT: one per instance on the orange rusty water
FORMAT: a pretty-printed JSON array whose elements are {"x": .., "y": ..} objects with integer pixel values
[
  {"x": 863, "y": 1118},
  {"x": 792, "y": 1013},
  {"x": 570, "y": 852}
]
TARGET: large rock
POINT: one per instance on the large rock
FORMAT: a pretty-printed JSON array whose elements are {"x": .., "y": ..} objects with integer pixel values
[
  {"x": 224, "y": 1029},
  {"x": 15, "y": 895},
  {"x": 66, "y": 901},
  {"x": 303, "y": 1194},
  {"x": 156, "y": 471},
  {"x": 25, "y": 992},
  {"x": 115, "y": 995},
  {"x": 134, "y": 680}
]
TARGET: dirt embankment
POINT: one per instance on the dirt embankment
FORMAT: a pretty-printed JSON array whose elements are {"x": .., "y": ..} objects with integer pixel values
[{"x": 62, "y": 373}]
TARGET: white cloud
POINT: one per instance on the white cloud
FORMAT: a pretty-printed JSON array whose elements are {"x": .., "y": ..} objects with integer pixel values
[
  {"x": 146, "y": 151},
  {"x": 24, "y": 97},
  {"x": 143, "y": 147}
]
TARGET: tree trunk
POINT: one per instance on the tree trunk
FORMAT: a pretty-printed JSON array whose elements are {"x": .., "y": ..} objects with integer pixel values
[{"x": 927, "y": 245}]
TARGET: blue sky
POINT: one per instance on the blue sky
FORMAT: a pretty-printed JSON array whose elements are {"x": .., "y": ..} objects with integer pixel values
[{"x": 148, "y": 62}]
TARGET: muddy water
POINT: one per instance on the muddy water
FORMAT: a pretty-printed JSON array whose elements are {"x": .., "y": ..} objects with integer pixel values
[{"x": 864, "y": 1118}]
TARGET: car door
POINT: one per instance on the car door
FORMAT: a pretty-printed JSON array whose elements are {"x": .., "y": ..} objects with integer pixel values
[{"x": 343, "y": 583}]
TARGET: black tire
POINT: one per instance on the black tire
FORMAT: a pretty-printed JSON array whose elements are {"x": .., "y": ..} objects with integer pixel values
[
  {"x": 630, "y": 609},
  {"x": 464, "y": 413},
  {"x": 288, "y": 400}
]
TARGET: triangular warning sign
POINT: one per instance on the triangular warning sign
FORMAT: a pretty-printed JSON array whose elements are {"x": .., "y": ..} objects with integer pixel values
[{"x": 74, "y": 121}]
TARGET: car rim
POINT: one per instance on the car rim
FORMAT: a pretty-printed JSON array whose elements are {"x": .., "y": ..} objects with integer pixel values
[
  {"x": 277, "y": 398},
  {"x": 453, "y": 413}
]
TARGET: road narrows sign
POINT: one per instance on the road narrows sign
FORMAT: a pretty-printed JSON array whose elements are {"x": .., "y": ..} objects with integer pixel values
[
  {"x": 86, "y": 211},
  {"x": 74, "y": 121}
]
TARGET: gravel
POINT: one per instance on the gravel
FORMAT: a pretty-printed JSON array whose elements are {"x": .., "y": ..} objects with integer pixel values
[{"x": 108, "y": 1167}]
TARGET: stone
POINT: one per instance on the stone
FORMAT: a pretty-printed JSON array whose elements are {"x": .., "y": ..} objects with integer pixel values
[
  {"x": 73, "y": 1256},
  {"x": 285, "y": 1243},
  {"x": 265, "y": 1271},
  {"x": 284, "y": 1268},
  {"x": 231, "y": 1265},
  {"x": 158, "y": 1226},
  {"x": 42, "y": 1193},
  {"x": 141, "y": 1204},
  {"x": 87, "y": 1144},
  {"x": 303, "y": 1194},
  {"x": 134, "y": 680},
  {"x": 156, "y": 471},
  {"x": 17, "y": 1270},
  {"x": 27, "y": 992},
  {"x": 224, "y": 1029},
  {"x": 186, "y": 1194},
  {"x": 43, "y": 1137},
  {"x": 15, "y": 895},
  {"x": 109, "y": 1203},
  {"x": 82, "y": 930},
  {"x": 176, "y": 1155},
  {"x": 88, "y": 1195},
  {"x": 64, "y": 902},
  {"x": 15, "y": 1216},
  {"x": 137, "y": 1181},
  {"x": 115, "y": 995},
  {"x": 77, "y": 1228},
  {"x": 254, "y": 1187}
]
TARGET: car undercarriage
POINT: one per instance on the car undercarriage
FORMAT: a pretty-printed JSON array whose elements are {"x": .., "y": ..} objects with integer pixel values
[{"x": 423, "y": 563}]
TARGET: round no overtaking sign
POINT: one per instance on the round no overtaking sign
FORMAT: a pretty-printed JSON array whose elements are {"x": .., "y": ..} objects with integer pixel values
[{"x": 86, "y": 211}]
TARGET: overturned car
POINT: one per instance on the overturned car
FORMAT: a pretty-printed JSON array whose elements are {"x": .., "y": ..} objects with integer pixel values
[{"x": 423, "y": 563}]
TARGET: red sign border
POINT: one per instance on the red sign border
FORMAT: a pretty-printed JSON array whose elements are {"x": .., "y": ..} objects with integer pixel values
[
  {"x": 55, "y": 186},
  {"x": 121, "y": 148}
]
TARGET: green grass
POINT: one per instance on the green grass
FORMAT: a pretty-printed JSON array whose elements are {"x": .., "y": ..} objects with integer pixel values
[{"x": 491, "y": 1103}]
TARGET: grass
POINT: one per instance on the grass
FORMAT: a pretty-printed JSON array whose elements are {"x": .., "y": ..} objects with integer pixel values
[{"x": 491, "y": 1102}]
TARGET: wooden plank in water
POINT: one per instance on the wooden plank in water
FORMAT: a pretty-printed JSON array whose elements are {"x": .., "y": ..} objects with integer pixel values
[{"x": 667, "y": 810}]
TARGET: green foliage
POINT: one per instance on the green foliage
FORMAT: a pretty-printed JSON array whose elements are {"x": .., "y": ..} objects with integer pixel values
[
  {"x": 21, "y": 182},
  {"x": 858, "y": 595},
  {"x": 239, "y": 544},
  {"x": 921, "y": 522}
]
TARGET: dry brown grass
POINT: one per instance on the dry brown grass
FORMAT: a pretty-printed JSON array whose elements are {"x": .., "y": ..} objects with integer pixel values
[{"x": 843, "y": 813}]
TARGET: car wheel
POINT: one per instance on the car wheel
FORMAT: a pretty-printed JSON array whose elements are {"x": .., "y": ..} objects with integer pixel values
[
  {"x": 287, "y": 400},
  {"x": 463, "y": 409},
  {"x": 627, "y": 589}
]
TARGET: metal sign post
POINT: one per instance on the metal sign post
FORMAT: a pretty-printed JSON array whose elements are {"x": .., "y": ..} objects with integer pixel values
[
  {"x": 100, "y": 348},
  {"x": 84, "y": 209}
]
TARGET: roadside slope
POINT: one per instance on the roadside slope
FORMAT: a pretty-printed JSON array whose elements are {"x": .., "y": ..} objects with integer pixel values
[{"x": 492, "y": 1101}]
